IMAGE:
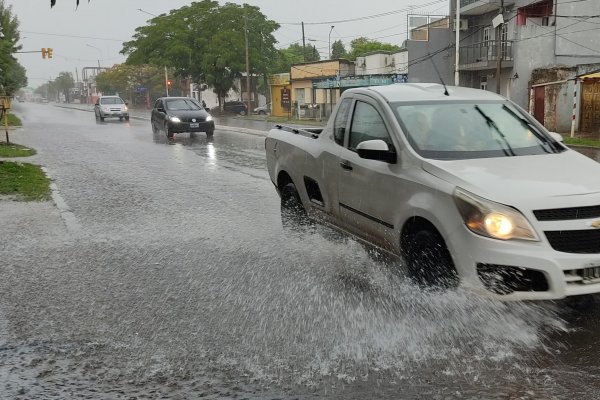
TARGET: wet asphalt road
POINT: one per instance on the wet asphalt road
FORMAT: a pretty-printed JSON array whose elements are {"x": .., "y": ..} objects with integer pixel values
[{"x": 161, "y": 270}]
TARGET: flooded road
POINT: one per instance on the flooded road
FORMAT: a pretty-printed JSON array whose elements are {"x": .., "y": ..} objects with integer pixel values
[{"x": 163, "y": 271}]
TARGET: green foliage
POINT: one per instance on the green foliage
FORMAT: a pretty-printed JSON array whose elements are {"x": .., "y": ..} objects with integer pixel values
[
  {"x": 364, "y": 45},
  {"x": 206, "y": 41},
  {"x": 588, "y": 142},
  {"x": 125, "y": 79},
  {"x": 338, "y": 50},
  {"x": 26, "y": 181},
  {"x": 293, "y": 55},
  {"x": 63, "y": 83},
  {"x": 13, "y": 120},
  {"x": 12, "y": 74}
]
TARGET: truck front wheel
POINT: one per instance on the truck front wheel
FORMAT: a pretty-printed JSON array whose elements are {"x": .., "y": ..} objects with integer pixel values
[{"x": 428, "y": 260}]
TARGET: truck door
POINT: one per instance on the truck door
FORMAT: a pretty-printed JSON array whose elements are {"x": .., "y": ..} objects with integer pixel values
[
  {"x": 332, "y": 146},
  {"x": 367, "y": 188}
]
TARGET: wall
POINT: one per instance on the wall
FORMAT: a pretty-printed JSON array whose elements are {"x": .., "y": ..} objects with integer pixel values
[
  {"x": 421, "y": 69},
  {"x": 318, "y": 70}
]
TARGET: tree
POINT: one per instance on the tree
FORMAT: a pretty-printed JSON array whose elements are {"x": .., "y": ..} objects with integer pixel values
[
  {"x": 338, "y": 50},
  {"x": 293, "y": 55},
  {"x": 136, "y": 82},
  {"x": 206, "y": 41},
  {"x": 364, "y": 45},
  {"x": 64, "y": 83},
  {"x": 12, "y": 74}
]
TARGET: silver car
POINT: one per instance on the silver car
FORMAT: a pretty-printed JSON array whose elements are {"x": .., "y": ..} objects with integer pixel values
[{"x": 111, "y": 107}]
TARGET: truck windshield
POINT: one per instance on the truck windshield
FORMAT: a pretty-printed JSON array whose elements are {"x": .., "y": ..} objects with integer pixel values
[{"x": 455, "y": 131}]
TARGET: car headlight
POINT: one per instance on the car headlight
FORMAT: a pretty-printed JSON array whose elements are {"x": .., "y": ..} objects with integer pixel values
[
  {"x": 125, "y": 109},
  {"x": 209, "y": 118},
  {"x": 174, "y": 119},
  {"x": 494, "y": 220},
  {"x": 105, "y": 109}
]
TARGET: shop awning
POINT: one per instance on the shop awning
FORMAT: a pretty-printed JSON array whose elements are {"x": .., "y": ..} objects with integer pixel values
[{"x": 591, "y": 75}]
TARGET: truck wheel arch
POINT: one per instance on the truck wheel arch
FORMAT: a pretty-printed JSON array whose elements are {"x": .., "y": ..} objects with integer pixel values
[
  {"x": 446, "y": 277},
  {"x": 283, "y": 178}
]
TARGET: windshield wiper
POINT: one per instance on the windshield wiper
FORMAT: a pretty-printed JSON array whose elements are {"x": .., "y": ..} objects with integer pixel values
[
  {"x": 491, "y": 123},
  {"x": 532, "y": 127}
]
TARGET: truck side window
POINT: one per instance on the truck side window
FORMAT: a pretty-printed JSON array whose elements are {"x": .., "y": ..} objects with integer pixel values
[
  {"x": 341, "y": 118},
  {"x": 367, "y": 124}
]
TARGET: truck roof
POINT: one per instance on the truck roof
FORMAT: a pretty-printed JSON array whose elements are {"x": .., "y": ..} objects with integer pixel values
[{"x": 399, "y": 92}]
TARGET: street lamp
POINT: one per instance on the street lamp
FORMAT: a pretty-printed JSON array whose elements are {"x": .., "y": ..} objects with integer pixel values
[
  {"x": 146, "y": 12},
  {"x": 94, "y": 47},
  {"x": 332, "y": 26}
]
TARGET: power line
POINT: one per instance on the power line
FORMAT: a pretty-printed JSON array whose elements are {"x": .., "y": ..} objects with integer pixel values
[
  {"x": 385, "y": 14},
  {"x": 74, "y": 36}
]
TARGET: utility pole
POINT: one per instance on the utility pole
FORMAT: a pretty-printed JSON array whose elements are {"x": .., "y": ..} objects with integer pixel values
[
  {"x": 167, "y": 81},
  {"x": 499, "y": 49},
  {"x": 457, "y": 45},
  {"x": 247, "y": 59},
  {"x": 303, "y": 44}
]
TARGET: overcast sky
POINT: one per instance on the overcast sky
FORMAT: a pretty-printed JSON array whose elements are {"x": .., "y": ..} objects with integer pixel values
[{"x": 97, "y": 30}]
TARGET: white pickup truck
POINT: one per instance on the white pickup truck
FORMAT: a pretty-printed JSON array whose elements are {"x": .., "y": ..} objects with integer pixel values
[{"x": 462, "y": 184}]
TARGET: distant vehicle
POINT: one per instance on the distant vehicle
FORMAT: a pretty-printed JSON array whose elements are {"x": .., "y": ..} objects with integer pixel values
[
  {"x": 180, "y": 114},
  {"x": 20, "y": 99},
  {"x": 111, "y": 107},
  {"x": 263, "y": 110},
  {"x": 236, "y": 107},
  {"x": 463, "y": 184},
  {"x": 44, "y": 100}
]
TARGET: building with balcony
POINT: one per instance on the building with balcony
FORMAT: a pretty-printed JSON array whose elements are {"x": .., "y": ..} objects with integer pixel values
[{"x": 535, "y": 34}]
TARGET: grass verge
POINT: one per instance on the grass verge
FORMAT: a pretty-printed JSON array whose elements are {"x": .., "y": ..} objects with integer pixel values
[
  {"x": 15, "y": 150},
  {"x": 581, "y": 142},
  {"x": 25, "y": 181},
  {"x": 13, "y": 120}
]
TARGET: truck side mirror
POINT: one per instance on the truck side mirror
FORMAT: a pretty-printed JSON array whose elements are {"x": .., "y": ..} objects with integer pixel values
[
  {"x": 376, "y": 150},
  {"x": 556, "y": 136}
]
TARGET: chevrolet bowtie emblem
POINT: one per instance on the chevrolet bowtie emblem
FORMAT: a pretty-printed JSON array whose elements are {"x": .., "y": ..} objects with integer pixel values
[{"x": 595, "y": 224}]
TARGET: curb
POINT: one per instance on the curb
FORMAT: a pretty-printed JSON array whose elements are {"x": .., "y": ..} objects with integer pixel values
[{"x": 227, "y": 128}]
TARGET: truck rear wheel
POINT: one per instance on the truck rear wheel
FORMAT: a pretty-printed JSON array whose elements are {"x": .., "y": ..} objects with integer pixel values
[
  {"x": 428, "y": 260},
  {"x": 292, "y": 210}
]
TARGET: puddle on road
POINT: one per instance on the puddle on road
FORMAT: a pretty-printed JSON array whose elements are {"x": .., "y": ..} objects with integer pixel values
[{"x": 282, "y": 309}]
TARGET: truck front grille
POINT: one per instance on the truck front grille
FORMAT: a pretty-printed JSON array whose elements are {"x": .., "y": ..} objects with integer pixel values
[
  {"x": 564, "y": 214},
  {"x": 585, "y": 241}
]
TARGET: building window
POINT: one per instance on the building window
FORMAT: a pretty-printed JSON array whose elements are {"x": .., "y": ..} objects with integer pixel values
[
  {"x": 486, "y": 36},
  {"x": 300, "y": 95}
]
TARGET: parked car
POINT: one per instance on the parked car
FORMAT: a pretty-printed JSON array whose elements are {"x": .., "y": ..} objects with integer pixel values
[
  {"x": 180, "y": 114},
  {"x": 44, "y": 100},
  {"x": 111, "y": 107},
  {"x": 263, "y": 110},
  {"x": 236, "y": 107},
  {"x": 466, "y": 187}
]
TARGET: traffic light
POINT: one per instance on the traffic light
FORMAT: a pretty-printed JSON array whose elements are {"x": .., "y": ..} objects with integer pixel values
[
  {"x": 49, "y": 53},
  {"x": 44, "y": 52},
  {"x": 169, "y": 83}
]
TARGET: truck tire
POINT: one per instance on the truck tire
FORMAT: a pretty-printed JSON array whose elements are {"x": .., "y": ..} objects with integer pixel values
[
  {"x": 292, "y": 210},
  {"x": 428, "y": 260}
]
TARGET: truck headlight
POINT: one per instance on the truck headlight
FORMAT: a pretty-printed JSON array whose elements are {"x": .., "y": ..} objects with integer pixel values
[
  {"x": 494, "y": 220},
  {"x": 209, "y": 118},
  {"x": 174, "y": 119}
]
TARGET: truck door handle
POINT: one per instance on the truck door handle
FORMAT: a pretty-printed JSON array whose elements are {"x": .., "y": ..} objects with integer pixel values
[{"x": 345, "y": 164}]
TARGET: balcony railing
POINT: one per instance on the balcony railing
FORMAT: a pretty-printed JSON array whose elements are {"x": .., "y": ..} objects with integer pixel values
[{"x": 484, "y": 52}]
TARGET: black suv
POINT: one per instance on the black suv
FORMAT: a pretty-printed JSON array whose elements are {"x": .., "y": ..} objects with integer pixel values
[{"x": 236, "y": 107}]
